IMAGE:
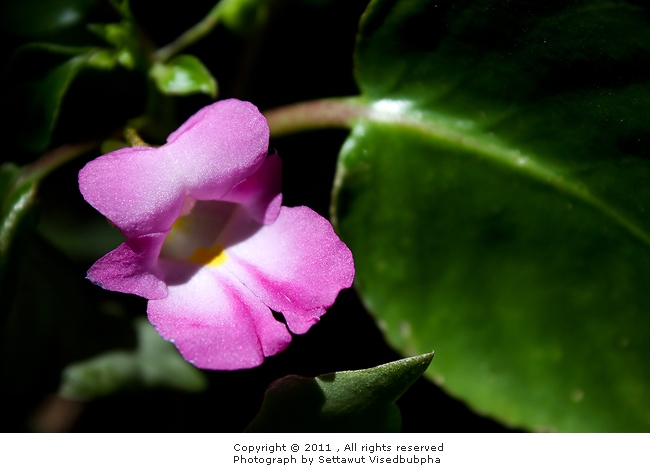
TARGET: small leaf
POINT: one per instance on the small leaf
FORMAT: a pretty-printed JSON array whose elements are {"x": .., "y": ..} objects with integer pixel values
[
  {"x": 349, "y": 401},
  {"x": 155, "y": 363},
  {"x": 182, "y": 76},
  {"x": 115, "y": 34},
  {"x": 123, "y": 36}
]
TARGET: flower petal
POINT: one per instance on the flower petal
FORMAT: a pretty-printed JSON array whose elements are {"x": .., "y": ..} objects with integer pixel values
[
  {"x": 132, "y": 268},
  {"x": 215, "y": 322},
  {"x": 142, "y": 189},
  {"x": 219, "y": 146},
  {"x": 260, "y": 193},
  {"x": 296, "y": 266},
  {"x": 135, "y": 188}
]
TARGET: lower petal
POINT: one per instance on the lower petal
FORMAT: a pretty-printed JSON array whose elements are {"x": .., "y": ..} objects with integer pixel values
[
  {"x": 132, "y": 268},
  {"x": 297, "y": 265},
  {"x": 214, "y": 321}
]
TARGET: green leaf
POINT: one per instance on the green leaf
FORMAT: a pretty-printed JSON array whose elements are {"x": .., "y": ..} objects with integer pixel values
[
  {"x": 17, "y": 196},
  {"x": 18, "y": 188},
  {"x": 155, "y": 363},
  {"x": 349, "y": 401},
  {"x": 123, "y": 36},
  {"x": 495, "y": 197},
  {"x": 182, "y": 76},
  {"x": 116, "y": 34}
]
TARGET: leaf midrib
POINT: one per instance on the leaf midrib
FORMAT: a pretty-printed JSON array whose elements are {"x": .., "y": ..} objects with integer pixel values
[{"x": 500, "y": 154}]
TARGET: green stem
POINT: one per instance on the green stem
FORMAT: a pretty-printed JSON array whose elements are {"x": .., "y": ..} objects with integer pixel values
[
  {"x": 55, "y": 158},
  {"x": 133, "y": 139},
  {"x": 345, "y": 112},
  {"x": 339, "y": 113},
  {"x": 190, "y": 37}
]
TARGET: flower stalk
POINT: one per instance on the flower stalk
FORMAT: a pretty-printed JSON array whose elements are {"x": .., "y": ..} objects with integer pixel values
[
  {"x": 338, "y": 113},
  {"x": 191, "y": 36}
]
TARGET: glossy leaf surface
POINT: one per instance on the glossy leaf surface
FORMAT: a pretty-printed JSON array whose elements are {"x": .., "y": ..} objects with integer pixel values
[
  {"x": 348, "y": 401},
  {"x": 184, "y": 75},
  {"x": 496, "y": 196}
]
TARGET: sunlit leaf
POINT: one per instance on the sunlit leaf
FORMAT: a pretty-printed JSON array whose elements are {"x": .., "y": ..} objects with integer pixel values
[
  {"x": 496, "y": 202},
  {"x": 182, "y": 76}
]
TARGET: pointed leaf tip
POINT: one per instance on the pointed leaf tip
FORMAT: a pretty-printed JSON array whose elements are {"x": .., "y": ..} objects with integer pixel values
[{"x": 348, "y": 401}]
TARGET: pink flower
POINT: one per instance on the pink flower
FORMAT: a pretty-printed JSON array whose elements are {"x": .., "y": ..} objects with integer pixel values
[{"x": 209, "y": 243}]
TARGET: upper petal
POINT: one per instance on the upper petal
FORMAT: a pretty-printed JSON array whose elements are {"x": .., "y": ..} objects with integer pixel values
[
  {"x": 136, "y": 188},
  {"x": 260, "y": 193},
  {"x": 142, "y": 189},
  {"x": 214, "y": 321},
  {"x": 219, "y": 146},
  {"x": 296, "y": 266}
]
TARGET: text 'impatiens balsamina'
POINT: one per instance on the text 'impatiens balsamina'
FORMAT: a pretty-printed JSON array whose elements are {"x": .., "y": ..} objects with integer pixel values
[{"x": 209, "y": 243}]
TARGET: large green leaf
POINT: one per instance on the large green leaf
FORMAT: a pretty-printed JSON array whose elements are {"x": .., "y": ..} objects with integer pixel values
[
  {"x": 349, "y": 401},
  {"x": 496, "y": 196}
]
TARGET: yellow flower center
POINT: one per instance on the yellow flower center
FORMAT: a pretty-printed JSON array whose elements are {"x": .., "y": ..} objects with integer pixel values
[
  {"x": 195, "y": 235},
  {"x": 212, "y": 257}
]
